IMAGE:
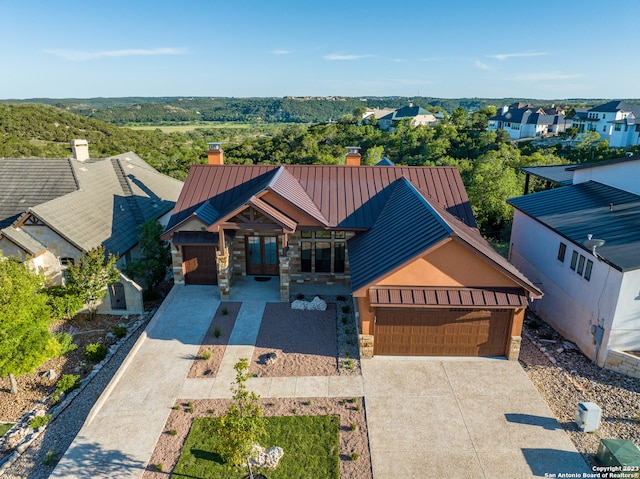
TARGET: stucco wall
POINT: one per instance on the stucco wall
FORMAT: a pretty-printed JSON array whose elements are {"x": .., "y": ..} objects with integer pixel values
[
  {"x": 620, "y": 175},
  {"x": 53, "y": 241},
  {"x": 571, "y": 304}
]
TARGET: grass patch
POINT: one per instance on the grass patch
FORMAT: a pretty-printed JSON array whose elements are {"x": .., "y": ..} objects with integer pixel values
[
  {"x": 4, "y": 427},
  {"x": 310, "y": 443}
]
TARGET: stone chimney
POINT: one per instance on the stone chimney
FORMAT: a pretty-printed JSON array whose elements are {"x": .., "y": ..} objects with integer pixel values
[
  {"x": 215, "y": 154},
  {"x": 353, "y": 156},
  {"x": 80, "y": 149}
]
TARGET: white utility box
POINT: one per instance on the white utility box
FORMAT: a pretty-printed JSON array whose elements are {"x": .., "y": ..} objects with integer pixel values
[{"x": 588, "y": 416}]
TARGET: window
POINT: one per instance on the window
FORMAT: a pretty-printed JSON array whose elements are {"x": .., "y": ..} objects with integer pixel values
[
  {"x": 66, "y": 262},
  {"x": 617, "y": 127},
  {"x": 580, "y": 265},
  {"x": 323, "y": 257},
  {"x": 561, "y": 251},
  {"x": 574, "y": 260},
  {"x": 305, "y": 234},
  {"x": 604, "y": 128},
  {"x": 305, "y": 256},
  {"x": 587, "y": 271},
  {"x": 338, "y": 257},
  {"x": 323, "y": 234}
]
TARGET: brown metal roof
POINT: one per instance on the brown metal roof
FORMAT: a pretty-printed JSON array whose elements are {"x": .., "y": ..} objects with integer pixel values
[
  {"x": 345, "y": 196},
  {"x": 277, "y": 216},
  {"x": 447, "y": 297}
]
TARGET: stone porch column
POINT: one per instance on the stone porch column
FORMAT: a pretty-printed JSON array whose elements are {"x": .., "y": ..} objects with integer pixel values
[
  {"x": 224, "y": 273},
  {"x": 514, "y": 348},
  {"x": 285, "y": 278}
]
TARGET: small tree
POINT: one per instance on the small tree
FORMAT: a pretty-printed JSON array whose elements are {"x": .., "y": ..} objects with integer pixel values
[
  {"x": 156, "y": 256},
  {"x": 243, "y": 424},
  {"x": 91, "y": 275},
  {"x": 63, "y": 301},
  {"x": 25, "y": 340}
]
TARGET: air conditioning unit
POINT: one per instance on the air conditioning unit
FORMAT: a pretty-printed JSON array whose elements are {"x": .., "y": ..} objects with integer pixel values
[{"x": 588, "y": 416}]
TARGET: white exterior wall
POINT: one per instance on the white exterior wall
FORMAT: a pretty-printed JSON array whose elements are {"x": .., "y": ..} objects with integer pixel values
[
  {"x": 623, "y": 176},
  {"x": 625, "y": 330},
  {"x": 528, "y": 131},
  {"x": 571, "y": 304},
  {"x": 627, "y": 136}
]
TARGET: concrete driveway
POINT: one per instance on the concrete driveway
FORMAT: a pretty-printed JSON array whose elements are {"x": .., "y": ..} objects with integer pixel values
[{"x": 461, "y": 418}]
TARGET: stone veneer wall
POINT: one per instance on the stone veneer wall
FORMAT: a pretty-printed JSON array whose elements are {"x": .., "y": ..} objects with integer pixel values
[{"x": 623, "y": 363}]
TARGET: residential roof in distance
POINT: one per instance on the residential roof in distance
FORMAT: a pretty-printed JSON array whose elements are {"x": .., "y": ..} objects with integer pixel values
[{"x": 603, "y": 211}]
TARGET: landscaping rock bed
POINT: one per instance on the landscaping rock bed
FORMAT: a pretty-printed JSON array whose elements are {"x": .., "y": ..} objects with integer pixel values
[
  {"x": 353, "y": 430},
  {"x": 565, "y": 378},
  {"x": 304, "y": 342},
  {"x": 215, "y": 341}
]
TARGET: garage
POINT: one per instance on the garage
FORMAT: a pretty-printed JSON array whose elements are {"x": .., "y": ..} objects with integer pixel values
[
  {"x": 441, "y": 332},
  {"x": 199, "y": 264}
]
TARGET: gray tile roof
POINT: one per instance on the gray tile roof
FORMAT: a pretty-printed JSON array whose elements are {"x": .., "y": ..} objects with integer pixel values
[
  {"x": 100, "y": 212},
  {"x": 27, "y": 182},
  {"x": 616, "y": 105},
  {"x": 593, "y": 208},
  {"x": 25, "y": 241}
]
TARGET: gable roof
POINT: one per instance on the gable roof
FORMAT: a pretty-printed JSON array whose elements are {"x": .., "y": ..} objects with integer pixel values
[
  {"x": 23, "y": 240},
  {"x": 389, "y": 244},
  {"x": 109, "y": 199},
  {"x": 409, "y": 112},
  {"x": 348, "y": 197},
  {"x": 616, "y": 105},
  {"x": 27, "y": 182},
  {"x": 606, "y": 212},
  {"x": 385, "y": 162}
]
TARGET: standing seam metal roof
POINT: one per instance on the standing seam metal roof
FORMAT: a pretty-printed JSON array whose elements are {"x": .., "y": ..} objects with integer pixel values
[{"x": 606, "y": 212}]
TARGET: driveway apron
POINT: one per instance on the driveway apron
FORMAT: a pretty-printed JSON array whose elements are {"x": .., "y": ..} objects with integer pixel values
[
  {"x": 461, "y": 418},
  {"x": 121, "y": 431}
]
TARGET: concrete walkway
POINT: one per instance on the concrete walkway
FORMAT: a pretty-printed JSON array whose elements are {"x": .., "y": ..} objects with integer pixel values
[
  {"x": 461, "y": 418},
  {"x": 121, "y": 432}
]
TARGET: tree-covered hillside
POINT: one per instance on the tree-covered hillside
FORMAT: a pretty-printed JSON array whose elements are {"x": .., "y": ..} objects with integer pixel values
[{"x": 487, "y": 161}]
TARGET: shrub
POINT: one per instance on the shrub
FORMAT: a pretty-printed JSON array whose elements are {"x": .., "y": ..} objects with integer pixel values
[
  {"x": 344, "y": 320},
  {"x": 341, "y": 298},
  {"x": 65, "y": 340},
  {"x": 159, "y": 467},
  {"x": 354, "y": 456},
  {"x": 216, "y": 332},
  {"x": 353, "y": 427},
  {"x": 119, "y": 331},
  {"x": 66, "y": 384},
  {"x": 176, "y": 407},
  {"x": 95, "y": 352},
  {"x": 346, "y": 308},
  {"x": 50, "y": 458},
  {"x": 189, "y": 409},
  {"x": 206, "y": 355},
  {"x": 39, "y": 421},
  {"x": 225, "y": 311},
  {"x": 307, "y": 403},
  {"x": 173, "y": 432},
  {"x": 64, "y": 302}
]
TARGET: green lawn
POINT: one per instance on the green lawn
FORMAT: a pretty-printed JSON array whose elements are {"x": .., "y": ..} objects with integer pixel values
[
  {"x": 310, "y": 443},
  {"x": 4, "y": 427}
]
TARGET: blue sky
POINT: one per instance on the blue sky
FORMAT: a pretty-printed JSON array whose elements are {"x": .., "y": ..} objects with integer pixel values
[{"x": 551, "y": 50}]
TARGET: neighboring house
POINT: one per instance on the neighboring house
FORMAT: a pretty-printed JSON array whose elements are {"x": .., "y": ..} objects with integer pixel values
[
  {"x": 592, "y": 296},
  {"x": 403, "y": 239},
  {"x": 416, "y": 114},
  {"x": 616, "y": 121},
  {"x": 54, "y": 210},
  {"x": 526, "y": 121}
]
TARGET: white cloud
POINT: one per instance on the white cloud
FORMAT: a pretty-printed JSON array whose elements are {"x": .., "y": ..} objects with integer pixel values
[
  {"x": 482, "y": 66},
  {"x": 545, "y": 76},
  {"x": 80, "y": 55},
  {"x": 505, "y": 56},
  {"x": 280, "y": 52},
  {"x": 339, "y": 56}
]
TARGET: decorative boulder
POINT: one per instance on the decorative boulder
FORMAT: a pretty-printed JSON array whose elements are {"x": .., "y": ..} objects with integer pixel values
[
  {"x": 50, "y": 375},
  {"x": 270, "y": 358},
  {"x": 317, "y": 304},
  {"x": 299, "y": 304},
  {"x": 269, "y": 458}
]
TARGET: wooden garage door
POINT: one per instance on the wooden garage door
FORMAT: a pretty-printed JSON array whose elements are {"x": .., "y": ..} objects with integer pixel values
[
  {"x": 199, "y": 265},
  {"x": 434, "y": 332}
]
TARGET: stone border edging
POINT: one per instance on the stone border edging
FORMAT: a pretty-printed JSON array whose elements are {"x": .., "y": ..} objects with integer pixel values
[{"x": 55, "y": 410}]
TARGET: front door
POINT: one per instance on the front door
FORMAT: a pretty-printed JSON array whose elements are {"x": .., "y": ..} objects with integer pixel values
[{"x": 262, "y": 255}]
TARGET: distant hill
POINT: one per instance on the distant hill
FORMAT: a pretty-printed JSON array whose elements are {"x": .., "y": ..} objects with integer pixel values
[{"x": 156, "y": 110}]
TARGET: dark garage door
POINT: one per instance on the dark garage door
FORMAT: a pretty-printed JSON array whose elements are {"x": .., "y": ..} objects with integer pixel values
[
  {"x": 435, "y": 332},
  {"x": 199, "y": 265}
]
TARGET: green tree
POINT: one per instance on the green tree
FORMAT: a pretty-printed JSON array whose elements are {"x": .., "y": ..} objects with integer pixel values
[
  {"x": 25, "y": 340},
  {"x": 156, "y": 256},
  {"x": 243, "y": 424},
  {"x": 91, "y": 275},
  {"x": 63, "y": 301}
]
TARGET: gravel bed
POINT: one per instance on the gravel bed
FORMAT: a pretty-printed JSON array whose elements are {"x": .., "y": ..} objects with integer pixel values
[
  {"x": 565, "y": 377},
  {"x": 63, "y": 429}
]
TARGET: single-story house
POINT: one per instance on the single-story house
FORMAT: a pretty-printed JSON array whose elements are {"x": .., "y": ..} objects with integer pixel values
[
  {"x": 416, "y": 114},
  {"x": 53, "y": 210},
  {"x": 580, "y": 243},
  {"x": 403, "y": 239}
]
